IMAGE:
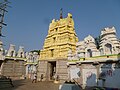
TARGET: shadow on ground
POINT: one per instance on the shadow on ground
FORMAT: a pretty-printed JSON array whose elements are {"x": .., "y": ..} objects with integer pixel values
[
  {"x": 28, "y": 85},
  {"x": 16, "y": 83}
]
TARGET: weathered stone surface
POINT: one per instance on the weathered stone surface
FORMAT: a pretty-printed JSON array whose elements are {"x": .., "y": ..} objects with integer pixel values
[{"x": 13, "y": 68}]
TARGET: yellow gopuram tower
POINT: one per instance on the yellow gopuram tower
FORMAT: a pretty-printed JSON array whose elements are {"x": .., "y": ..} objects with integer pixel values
[
  {"x": 60, "y": 39},
  {"x": 53, "y": 57}
]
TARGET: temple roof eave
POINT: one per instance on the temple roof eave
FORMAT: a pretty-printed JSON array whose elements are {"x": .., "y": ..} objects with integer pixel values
[{"x": 15, "y": 58}]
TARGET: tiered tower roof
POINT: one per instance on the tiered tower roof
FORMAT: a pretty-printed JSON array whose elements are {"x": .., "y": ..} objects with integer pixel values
[{"x": 60, "y": 39}]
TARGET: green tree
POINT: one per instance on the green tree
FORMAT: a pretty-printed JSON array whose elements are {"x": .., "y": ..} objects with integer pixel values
[
  {"x": 97, "y": 41},
  {"x": 38, "y": 51}
]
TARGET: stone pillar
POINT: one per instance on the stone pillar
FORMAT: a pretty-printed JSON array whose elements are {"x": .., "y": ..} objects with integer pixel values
[
  {"x": 68, "y": 70},
  {"x": 42, "y": 70},
  {"x": 98, "y": 73},
  {"x": 27, "y": 70},
  {"x": 61, "y": 70},
  {"x": 80, "y": 80}
]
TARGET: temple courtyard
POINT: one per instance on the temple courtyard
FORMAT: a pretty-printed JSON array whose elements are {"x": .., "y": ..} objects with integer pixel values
[
  {"x": 43, "y": 85},
  {"x": 28, "y": 85}
]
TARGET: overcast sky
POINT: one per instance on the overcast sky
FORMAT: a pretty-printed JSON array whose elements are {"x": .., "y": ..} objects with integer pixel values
[{"x": 28, "y": 20}]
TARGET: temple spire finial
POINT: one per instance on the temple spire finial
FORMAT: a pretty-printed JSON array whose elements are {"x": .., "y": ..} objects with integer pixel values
[{"x": 61, "y": 11}]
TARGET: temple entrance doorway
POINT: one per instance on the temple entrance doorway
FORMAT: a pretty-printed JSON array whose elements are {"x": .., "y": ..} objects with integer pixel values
[{"x": 51, "y": 69}]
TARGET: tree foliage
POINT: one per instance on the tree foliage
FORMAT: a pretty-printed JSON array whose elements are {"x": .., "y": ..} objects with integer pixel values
[
  {"x": 97, "y": 41},
  {"x": 38, "y": 51}
]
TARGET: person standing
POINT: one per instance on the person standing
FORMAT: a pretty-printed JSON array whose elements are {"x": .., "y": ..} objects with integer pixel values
[{"x": 34, "y": 78}]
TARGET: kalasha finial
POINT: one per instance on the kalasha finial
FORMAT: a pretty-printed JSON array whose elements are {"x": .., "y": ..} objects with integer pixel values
[{"x": 61, "y": 13}]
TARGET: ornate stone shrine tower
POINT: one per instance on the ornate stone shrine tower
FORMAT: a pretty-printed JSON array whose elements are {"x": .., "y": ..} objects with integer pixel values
[
  {"x": 110, "y": 44},
  {"x": 60, "y": 39}
]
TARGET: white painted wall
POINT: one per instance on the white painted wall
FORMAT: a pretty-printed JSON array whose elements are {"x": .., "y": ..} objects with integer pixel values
[
  {"x": 89, "y": 77},
  {"x": 74, "y": 73}
]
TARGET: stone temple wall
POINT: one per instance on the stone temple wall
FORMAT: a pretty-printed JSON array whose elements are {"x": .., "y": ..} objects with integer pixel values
[
  {"x": 61, "y": 70},
  {"x": 14, "y": 69}
]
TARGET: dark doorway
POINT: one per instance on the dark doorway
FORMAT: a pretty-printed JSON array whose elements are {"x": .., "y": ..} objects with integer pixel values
[
  {"x": 1, "y": 65},
  {"x": 52, "y": 52},
  {"x": 89, "y": 51},
  {"x": 1, "y": 62},
  {"x": 52, "y": 69}
]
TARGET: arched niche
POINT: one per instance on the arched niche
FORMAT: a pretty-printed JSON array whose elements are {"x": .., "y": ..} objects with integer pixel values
[
  {"x": 89, "y": 53},
  {"x": 108, "y": 48}
]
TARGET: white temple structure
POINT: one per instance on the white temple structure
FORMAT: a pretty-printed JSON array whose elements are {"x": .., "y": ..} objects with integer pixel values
[
  {"x": 96, "y": 61},
  {"x": 17, "y": 64},
  {"x": 109, "y": 44},
  {"x": 11, "y": 51},
  {"x": 31, "y": 64},
  {"x": 21, "y": 52}
]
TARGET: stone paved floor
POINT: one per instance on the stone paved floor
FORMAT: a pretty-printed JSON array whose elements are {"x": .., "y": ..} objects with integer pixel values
[{"x": 28, "y": 85}]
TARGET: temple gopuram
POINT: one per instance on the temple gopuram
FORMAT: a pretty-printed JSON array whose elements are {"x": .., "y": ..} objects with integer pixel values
[{"x": 61, "y": 38}]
